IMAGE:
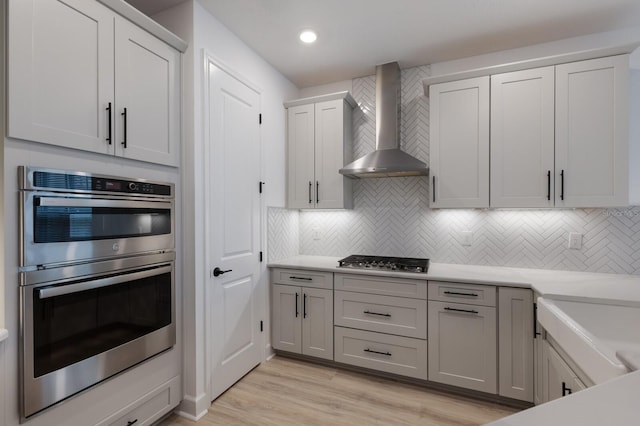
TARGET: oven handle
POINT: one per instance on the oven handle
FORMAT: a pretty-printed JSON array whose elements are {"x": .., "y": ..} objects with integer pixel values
[
  {"x": 83, "y": 202},
  {"x": 46, "y": 293}
]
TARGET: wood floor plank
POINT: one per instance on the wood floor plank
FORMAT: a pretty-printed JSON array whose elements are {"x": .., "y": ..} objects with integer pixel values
[{"x": 286, "y": 391}]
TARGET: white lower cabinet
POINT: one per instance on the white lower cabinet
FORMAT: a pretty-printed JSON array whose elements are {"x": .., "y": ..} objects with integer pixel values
[
  {"x": 462, "y": 345},
  {"x": 149, "y": 408},
  {"x": 558, "y": 378},
  {"x": 303, "y": 320},
  {"x": 515, "y": 343},
  {"x": 383, "y": 352},
  {"x": 385, "y": 314}
]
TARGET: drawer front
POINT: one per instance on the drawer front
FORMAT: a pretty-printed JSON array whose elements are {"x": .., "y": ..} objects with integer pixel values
[
  {"x": 381, "y": 285},
  {"x": 472, "y": 294},
  {"x": 302, "y": 278},
  {"x": 383, "y": 352},
  {"x": 384, "y": 314},
  {"x": 149, "y": 408}
]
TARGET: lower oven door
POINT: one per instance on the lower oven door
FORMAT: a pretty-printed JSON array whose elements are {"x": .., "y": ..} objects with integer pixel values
[{"x": 78, "y": 332}]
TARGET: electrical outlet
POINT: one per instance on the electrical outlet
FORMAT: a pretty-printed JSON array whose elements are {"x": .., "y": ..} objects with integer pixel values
[
  {"x": 466, "y": 238},
  {"x": 575, "y": 240},
  {"x": 315, "y": 234}
]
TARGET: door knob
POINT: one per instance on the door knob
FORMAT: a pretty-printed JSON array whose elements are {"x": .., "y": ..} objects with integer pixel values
[{"x": 217, "y": 271}]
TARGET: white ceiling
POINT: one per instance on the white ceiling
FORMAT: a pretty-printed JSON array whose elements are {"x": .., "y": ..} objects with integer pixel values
[{"x": 356, "y": 35}]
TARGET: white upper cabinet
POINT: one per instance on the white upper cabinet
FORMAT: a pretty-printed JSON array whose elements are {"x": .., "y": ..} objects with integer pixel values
[
  {"x": 74, "y": 66},
  {"x": 592, "y": 133},
  {"x": 459, "y": 157},
  {"x": 559, "y": 137},
  {"x": 60, "y": 72},
  {"x": 522, "y": 138},
  {"x": 319, "y": 144},
  {"x": 148, "y": 86}
]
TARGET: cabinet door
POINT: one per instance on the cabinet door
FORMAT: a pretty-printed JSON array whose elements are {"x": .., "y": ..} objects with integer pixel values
[
  {"x": 148, "y": 87},
  {"x": 459, "y": 128},
  {"x": 558, "y": 378},
  {"x": 286, "y": 320},
  {"x": 300, "y": 157},
  {"x": 522, "y": 138},
  {"x": 592, "y": 133},
  {"x": 317, "y": 322},
  {"x": 515, "y": 347},
  {"x": 60, "y": 72},
  {"x": 330, "y": 142},
  {"x": 462, "y": 345}
]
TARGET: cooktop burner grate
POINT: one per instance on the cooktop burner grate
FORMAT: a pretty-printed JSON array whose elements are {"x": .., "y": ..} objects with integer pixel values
[{"x": 403, "y": 264}]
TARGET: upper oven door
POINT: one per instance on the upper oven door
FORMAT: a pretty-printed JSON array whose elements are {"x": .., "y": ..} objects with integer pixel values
[{"x": 67, "y": 228}]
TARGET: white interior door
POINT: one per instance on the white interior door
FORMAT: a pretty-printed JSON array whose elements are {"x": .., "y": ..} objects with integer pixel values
[{"x": 233, "y": 239}]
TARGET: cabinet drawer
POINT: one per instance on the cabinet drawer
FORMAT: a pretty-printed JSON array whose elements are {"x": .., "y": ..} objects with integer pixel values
[
  {"x": 302, "y": 277},
  {"x": 383, "y": 352},
  {"x": 381, "y": 285},
  {"x": 384, "y": 314},
  {"x": 149, "y": 408},
  {"x": 473, "y": 294}
]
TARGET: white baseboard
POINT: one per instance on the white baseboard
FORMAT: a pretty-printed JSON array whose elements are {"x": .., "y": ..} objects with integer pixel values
[{"x": 193, "y": 408}]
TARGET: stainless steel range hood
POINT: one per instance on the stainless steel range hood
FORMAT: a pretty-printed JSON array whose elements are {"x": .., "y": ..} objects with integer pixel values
[{"x": 388, "y": 160}]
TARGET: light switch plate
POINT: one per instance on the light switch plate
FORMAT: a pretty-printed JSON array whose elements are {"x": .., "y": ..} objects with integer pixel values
[
  {"x": 575, "y": 240},
  {"x": 466, "y": 238}
]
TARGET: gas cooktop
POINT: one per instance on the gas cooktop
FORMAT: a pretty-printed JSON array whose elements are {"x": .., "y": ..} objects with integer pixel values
[{"x": 382, "y": 263}]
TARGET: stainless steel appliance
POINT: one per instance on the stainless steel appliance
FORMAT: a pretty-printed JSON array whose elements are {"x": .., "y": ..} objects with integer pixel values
[
  {"x": 96, "y": 280},
  {"x": 402, "y": 264},
  {"x": 75, "y": 216}
]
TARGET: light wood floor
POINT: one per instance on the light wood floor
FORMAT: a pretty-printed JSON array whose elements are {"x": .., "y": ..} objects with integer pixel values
[{"x": 283, "y": 391}]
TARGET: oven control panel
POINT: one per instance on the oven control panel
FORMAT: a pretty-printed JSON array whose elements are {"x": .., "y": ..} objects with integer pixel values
[{"x": 55, "y": 180}]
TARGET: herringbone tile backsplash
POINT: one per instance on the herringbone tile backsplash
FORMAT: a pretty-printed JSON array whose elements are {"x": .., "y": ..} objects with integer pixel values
[{"x": 391, "y": 216}]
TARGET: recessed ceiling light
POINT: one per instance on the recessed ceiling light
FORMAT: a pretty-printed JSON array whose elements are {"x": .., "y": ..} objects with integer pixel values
[{"x": 308, "y": 36}]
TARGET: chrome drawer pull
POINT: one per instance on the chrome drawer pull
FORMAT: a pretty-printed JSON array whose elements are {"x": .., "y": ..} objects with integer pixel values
[
  {"x": 377, "y": 352},
  {"x": 375, "y": 313},
  {"x": 456, "y": 293},
  {"x": 468, "y": 311},
  {"x": 301, "y": 278}
]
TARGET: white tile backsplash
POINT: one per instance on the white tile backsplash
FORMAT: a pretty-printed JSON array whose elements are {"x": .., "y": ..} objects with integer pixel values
[{"x": 391, "y": 215}]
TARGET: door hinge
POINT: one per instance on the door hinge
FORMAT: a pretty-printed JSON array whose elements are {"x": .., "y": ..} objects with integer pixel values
[
  {"x": 260, "y": 185},
  {"x": 260, "y": 256},
  {"x": 261, "y": 326},
  {"x": 260, "y": 118}
]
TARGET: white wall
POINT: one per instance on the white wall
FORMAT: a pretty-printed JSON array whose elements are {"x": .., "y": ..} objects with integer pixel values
[
  {"x": 323, "y": 89},
  {"x": 206, "y": 33},
  {"x": 628, "y": 36}
]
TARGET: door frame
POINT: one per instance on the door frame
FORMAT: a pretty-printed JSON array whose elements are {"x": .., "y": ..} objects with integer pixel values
[{"x": 208, "y": 60}]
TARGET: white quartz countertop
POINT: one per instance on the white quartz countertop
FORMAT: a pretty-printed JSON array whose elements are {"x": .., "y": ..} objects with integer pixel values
[
  {"x": 3, "y": 334},
  {"x": 611, "y": 403},
  {"x": 614, "y": 402},
  {"x": 595, "y": 287}
]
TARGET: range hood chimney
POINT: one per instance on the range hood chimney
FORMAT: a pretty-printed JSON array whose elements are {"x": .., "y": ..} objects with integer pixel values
[{"x": 388, "y": 160}]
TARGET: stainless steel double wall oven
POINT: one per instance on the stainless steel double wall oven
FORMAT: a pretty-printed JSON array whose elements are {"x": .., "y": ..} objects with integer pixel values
[{"x": 96, "y": 279}]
